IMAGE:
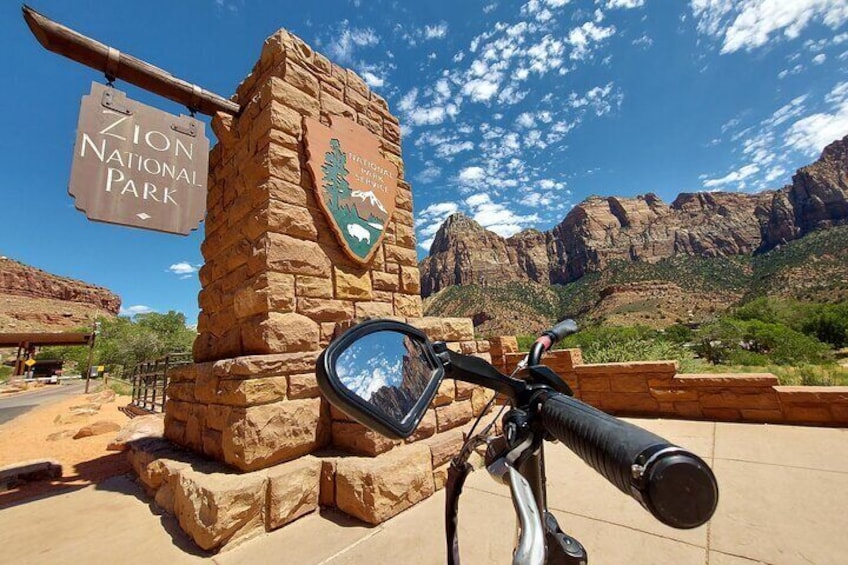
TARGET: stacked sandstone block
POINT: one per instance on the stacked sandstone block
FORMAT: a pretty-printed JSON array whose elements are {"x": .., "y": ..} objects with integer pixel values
[
  {"x": 263, "y": 415},
  {"x": 275, "y": 278},
  {"x": 276, "y": 284}
]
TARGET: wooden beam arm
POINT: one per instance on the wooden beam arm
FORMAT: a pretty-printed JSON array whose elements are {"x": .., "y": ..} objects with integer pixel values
[{"x": 57, "y": 38}]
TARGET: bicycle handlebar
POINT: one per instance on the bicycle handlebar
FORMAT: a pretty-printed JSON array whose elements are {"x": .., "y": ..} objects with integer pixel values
[
  {"x": 548, "y": 338},
  {"x": 561, "y": 330},
  {"x": 674, "y": 485}
]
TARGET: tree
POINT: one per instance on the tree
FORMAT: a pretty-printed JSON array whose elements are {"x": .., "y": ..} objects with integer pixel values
[
  {"x": 829, "y": 324},
  {"x": 170, "y": 328},
  {"x": 124, "y": 342},
  {"x": 335, "y": 174},
  {"x": 716, "y": 341}
]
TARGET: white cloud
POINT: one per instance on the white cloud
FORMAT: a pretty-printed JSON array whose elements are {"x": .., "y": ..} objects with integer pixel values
[
  {"x": 347, "y": 39},
  {"x": 785, "y": 139},
  {"x": 408, "y": 101},
  {"x": 793, "y": 71},
  {"x": 427, "y": 116},
  {"x": 427, "y": 244},
  {"x": 471, "y": 175},
  {"x": 478, "y": 199},
  {"x": 183, "y": 269},
  {"x": 582, "y": 38},
  {"x": 541, "y": 9},
  {"x": 508, "y": 156},
  {"x": 643, "y": 41},
  {"x": 447, "y": 150},
  {"x": 497, "y": 217},
  {"x": 480, "y": 90},
  {"x": 749, "y": 24},
  {"x": 416, "y": 115},
  {"x": 429, "y": 173},
  {"x": 775, "y": 173},
  {"x": 737, "y": 177},
  {"x": 436, "y": 31},
  {"x": 819, "y": 59},
  {"x": 430, "y": 220},
  {"x": 811, "y": 134},
  {"x": 137, "y": 309},
  {"x": 601, "y": 99},
  {"x": 525, "y": 120},
  {"x": 625, "y": 4},
  {"x": 372, "y": 80}
]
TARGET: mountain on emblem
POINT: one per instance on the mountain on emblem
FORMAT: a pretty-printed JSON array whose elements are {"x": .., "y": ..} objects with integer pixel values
[{"x": 354, "y": 183}]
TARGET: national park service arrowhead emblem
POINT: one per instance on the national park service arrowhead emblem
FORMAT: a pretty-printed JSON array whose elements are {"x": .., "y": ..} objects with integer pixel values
[{"x": 355, "y": 185}]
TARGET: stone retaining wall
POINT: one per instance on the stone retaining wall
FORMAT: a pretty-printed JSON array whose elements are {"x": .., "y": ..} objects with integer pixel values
[{"x": 655, "y": 389}]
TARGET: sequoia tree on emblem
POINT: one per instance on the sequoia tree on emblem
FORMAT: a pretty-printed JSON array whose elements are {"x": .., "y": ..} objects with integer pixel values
[{"x": 354, "y": 183}]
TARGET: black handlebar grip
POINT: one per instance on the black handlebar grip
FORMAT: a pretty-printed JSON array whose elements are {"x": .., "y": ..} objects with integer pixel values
[
  {"x": 674, "y": 485},
  {"x": 562, "y": 330}
]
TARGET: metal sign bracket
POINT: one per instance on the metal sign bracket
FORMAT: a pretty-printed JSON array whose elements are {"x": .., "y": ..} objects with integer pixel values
[
  {"x": 190, "y": 130},
  {"x": 108, "y": 101}
]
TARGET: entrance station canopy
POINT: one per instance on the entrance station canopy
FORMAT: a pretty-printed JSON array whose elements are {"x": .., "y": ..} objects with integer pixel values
[{"x": 44, "y": 339}]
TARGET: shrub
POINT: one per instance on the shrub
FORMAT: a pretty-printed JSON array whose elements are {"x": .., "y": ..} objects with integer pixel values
[
  {"x": 781, "y": 344},
  {"x": 752, "y": 342},
  {"x": 678, "y": 333},
  {"x": 828, "y": 323},
  {"x": 611, "y": 344},
  {"x": 716, "y": 341},
  {"x": 634, "y": 350},
  {"x": 5, "y": 373},
  {"x": 747, "y": 358}
]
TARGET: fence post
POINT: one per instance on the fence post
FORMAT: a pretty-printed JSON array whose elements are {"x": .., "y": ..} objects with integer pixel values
[
  {"x": 165, "y": 381},
  {"x": 153, "y": 395}
]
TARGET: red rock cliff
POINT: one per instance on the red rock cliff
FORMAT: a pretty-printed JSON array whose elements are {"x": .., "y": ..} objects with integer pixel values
[
  {"x": 34, "y": 300},
  {"x": 644, "y": 228}
]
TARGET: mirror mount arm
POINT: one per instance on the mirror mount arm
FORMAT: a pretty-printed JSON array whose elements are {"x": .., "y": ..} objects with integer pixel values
[{"x": 477, "y": 371}]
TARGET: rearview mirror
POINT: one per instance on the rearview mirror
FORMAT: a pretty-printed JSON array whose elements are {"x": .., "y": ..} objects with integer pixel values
[{"x": 383, "y": 374}]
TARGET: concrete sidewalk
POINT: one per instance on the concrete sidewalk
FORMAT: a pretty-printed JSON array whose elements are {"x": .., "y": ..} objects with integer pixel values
[{"x": 784, "y": 495}]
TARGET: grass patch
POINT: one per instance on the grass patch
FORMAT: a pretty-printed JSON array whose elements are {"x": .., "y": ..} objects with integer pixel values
[
  {"x": 802, "y": 375},
  {"x": 121, "y": 388}
]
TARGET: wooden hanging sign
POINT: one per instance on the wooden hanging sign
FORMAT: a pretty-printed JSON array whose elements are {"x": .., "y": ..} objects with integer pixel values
[
  {"x": 138, "y": 166},
  {"x": 355, "y": 185}
]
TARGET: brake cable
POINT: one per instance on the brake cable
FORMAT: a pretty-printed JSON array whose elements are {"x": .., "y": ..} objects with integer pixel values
[{"x": 459, "y": 470}]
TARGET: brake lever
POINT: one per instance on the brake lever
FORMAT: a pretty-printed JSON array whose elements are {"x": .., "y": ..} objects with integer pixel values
[
  {"x": 500, "y": 461},
  {"x": 531, "y": 544},
  {"x": 541, "y": 374}
]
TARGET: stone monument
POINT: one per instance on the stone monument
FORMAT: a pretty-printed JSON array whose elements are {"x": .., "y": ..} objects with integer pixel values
[{"x": 286, "y": 267}]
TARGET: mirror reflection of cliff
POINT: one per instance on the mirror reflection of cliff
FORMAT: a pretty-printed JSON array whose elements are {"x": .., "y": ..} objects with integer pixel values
[{"x": 397, "y": 401}]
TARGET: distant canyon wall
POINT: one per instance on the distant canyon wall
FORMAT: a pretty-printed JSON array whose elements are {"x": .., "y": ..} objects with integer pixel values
[
  {"x": 600, "y": 230},
  {"x": 33, "y": 300}
]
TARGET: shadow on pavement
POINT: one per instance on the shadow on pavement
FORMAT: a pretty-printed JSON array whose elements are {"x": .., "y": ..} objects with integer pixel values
[
  {"x": 84, "y": 474},
  {"x": 125, "y": 484}
]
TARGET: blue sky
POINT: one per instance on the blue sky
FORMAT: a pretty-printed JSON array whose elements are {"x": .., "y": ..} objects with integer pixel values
[{"x": 512, "y": 111}]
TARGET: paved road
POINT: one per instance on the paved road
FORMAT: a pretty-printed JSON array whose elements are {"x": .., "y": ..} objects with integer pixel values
[{"x": 16, "y": 405}]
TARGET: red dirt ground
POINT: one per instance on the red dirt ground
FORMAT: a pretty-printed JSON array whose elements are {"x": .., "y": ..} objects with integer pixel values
[{"x": 84, "y": 461}]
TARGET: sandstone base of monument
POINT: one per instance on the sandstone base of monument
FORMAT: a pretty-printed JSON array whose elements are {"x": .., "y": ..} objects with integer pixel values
[{"x": 217, "y": 505}]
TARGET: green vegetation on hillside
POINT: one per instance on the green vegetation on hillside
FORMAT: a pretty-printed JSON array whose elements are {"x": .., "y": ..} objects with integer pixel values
[
  {"x": 123, "y": 342},
  {"x": 695, "y": 273},
  {"x": 811, "y": 269},
  {"x": 796, "y": 341},
  {"x": 501, "y": 309}
]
